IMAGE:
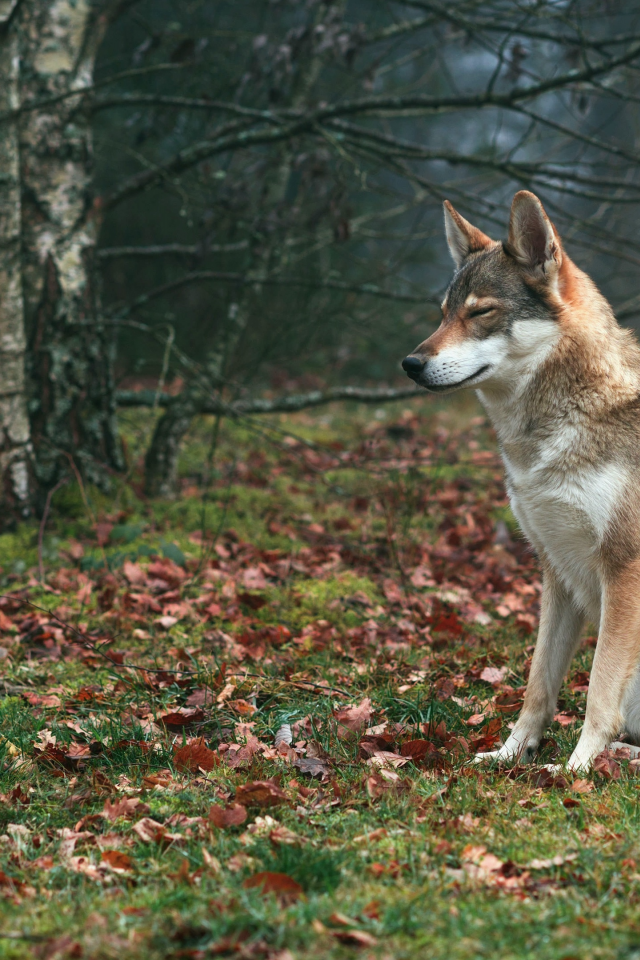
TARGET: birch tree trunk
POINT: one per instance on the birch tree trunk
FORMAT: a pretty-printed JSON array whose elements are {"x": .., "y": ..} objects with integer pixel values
[
  {"x": 16, "y": 455},
  {"x": 71, "y": 403}
]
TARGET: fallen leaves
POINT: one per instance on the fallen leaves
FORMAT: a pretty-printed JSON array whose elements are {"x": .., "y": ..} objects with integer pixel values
[
  {"x": 231, "y": 816},
  {"x": 353, "y": 719},
  {"x": 285, "y": 887},
  {"x": 260, "y": 793},
  {"x": 195, "y": 756},
  {"x": 125, "y": 807}
]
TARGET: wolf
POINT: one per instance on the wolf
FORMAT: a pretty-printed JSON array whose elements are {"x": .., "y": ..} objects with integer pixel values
[{"x": 560, "y": 381}]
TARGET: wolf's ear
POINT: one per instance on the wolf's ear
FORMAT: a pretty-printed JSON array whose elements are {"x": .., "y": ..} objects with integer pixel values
[
  {"x": 533, "y": 240},
  {"x": 462, "y": 237}
]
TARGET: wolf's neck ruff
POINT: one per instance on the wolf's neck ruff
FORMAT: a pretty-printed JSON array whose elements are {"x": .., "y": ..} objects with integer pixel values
[{"x": 560, "y": 381}]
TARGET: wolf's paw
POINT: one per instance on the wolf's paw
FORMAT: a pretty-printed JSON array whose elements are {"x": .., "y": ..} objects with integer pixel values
[
  {"x": 507, "y": 754},
  {"x": 486, "y": 757}
]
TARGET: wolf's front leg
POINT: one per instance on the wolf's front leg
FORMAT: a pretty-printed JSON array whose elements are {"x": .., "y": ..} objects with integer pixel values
[
  {"x": 614, "y": 665},
  {"x": 560, "y": 625}
]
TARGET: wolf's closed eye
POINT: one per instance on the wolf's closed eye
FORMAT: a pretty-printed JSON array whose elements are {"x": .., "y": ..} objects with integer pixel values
[{"x": 481, "y": 311}]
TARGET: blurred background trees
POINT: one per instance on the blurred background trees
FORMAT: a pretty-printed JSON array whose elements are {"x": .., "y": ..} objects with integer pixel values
[{"x": 208, "y": 205}]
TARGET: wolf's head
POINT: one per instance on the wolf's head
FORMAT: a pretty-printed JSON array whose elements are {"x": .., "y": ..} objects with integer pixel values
[{"x": 500, "y": 315}]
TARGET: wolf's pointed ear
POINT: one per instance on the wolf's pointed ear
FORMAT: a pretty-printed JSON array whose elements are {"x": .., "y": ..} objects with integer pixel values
[
  {"x": 533, "y": 240},
  {"x": 462, "y": 237}
]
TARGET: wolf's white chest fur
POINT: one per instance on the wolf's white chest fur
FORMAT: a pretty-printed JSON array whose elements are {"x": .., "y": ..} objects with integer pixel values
[
  {"x": 566, "y": 515},
  {"x": 565, "y": 512}
]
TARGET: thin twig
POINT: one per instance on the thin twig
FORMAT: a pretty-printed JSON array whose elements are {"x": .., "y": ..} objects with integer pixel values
[{"x": 43, "y": 523}]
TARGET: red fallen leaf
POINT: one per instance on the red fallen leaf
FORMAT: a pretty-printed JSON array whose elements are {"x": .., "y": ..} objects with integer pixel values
[
  {"x": 167, "y": 570},
  {"x": 570, "y": 802},
  {"x": 374, "y": 743},
  {"x": 200, "y": 697},
  {"x": 606, "y": 766},
  {"x": 565, "y": 719},
  {"x": 103, "y": 529},
  {"x": 508, "y": 702},
  {"x": 548, "y": 780},
  {"x": 279, "y": 883},
  {"x": 77, "y": 751},
  {"x": 392, "y": 592},
  {"x": 127, "y": 807},
  {"x": 184, "y": 717},
  {"x": 417, "y": 749},
  {"x": 447, "y": 623},
  {"x": 231, "y": 816},
  {"x": 377, "y": 786},
  {"x": 195, "y": 756},
  {"x": 354, "y": 718},
  {"x": 260, "y": 793},
  {"x": 16, "y": 796},
  {"x": 242, "y": 707},
  {"x": 582, "y": 786},
  {"x": 56, "y": 759},
  {"x": 134, "y": 573},
  {"x": 43, "y": 700},
  {"x": 475, "y": 719},
  {"x": 494, "y": 674},
  {"x": 12, "y": 883},
  {"x": 150, "y": 831},
  {"x": 121, "y": 862},
  {"x": 254, "y": 579}
]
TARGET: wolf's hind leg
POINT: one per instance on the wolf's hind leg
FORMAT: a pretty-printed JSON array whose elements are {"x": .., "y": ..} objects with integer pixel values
[
  {"x": 612, "y": 686},
  {"x": 631, "y": 711},
  {"x": 560, "y": 626}
]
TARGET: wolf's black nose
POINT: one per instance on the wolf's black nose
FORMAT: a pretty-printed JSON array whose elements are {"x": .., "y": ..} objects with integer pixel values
[{"x": 412, "y": 366}]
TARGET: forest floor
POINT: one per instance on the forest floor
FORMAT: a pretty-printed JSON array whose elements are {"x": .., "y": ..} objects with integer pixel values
[{"x": 239, "y": 723}]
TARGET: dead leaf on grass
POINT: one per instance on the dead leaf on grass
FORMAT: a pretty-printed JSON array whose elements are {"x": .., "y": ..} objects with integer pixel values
[
  {"x": 126, "y": 807},
  {"x": 313, "y": 767},
  {"x": 284, "y": 886},
  {"x": 353, "y": 719},
  {"x": 231, "y": 816},
  {"x": 118, "y": 862},
  {"x": 195, "y": 756},
  {"x": 260, "y": 793}
]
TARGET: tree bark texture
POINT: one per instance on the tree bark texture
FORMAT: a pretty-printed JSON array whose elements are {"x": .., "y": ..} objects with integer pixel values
[
  {"x": 16, "y": 455},
  {"x": 71, "y": 405}
]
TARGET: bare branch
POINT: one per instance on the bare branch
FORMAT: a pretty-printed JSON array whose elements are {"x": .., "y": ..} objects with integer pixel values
[
  {"x": 380, "y": 106},
  {"x": 290, "y": 404},
  {"x": 167, "y": 249},
  {"x": 206, "y": 276}
]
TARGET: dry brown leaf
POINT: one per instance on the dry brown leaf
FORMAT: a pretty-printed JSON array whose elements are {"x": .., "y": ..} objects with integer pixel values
[
  {"x": 279, "y": 883},
  {"x": 260, "y": 793},
  {"x": 353, "y": 719},
  {"x": 117, "y": 861},
  {"x": 195, "y": 756},
  {"x": 126, "y": 807},
  {"x": 231, "y": 816}
]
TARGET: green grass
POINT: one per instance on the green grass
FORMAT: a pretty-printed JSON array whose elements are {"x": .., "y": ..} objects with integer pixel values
[{"x": 386, "y": 866}]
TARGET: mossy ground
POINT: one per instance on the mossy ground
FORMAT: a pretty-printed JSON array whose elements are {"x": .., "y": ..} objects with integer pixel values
[{"x": 388, "y": 867}]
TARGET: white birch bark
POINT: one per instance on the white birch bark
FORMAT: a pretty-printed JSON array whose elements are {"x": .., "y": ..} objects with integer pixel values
[
  {"x": 15, "y": 447},
  {"x": 71, "y": 406}
]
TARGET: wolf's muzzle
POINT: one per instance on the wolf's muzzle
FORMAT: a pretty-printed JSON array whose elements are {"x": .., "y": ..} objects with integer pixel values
[{"x": 413, "y": 367}]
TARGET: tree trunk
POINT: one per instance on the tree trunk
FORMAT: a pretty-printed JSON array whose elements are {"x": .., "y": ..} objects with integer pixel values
[
  {"x": 72, "y": 407},
  {"x": 16, "y": 458}
]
